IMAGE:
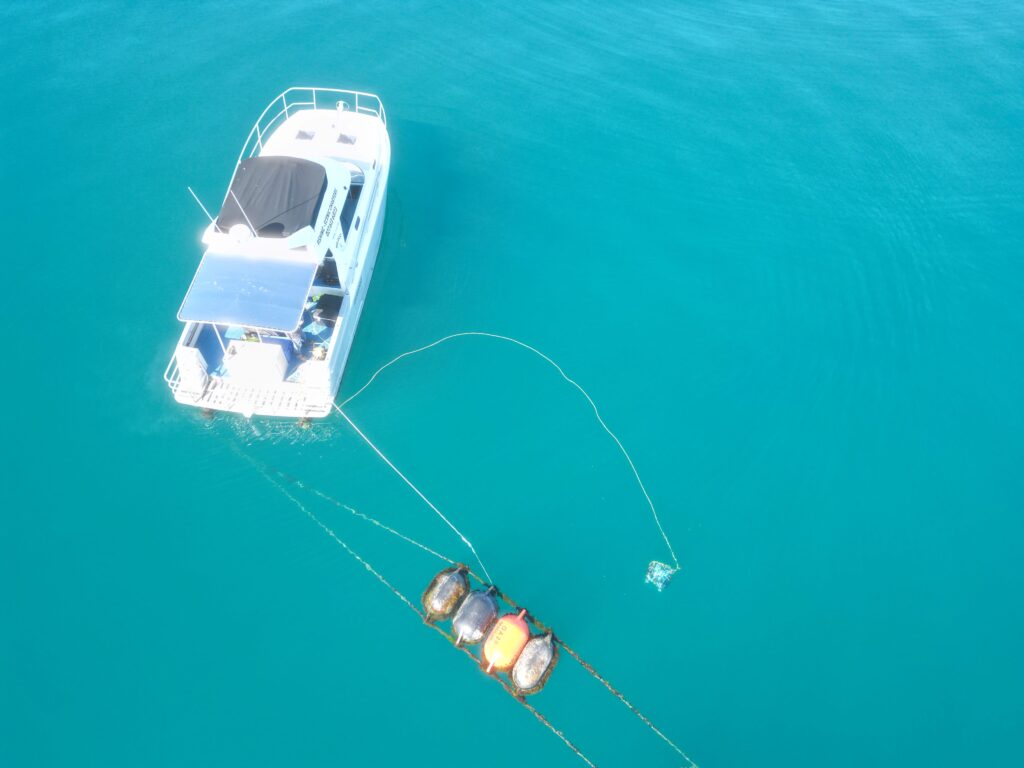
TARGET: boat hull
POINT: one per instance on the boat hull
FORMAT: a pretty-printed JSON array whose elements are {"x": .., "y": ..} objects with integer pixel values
[
  {"x": 311, "y": 383},
  {"x": 294, "y": 399}
]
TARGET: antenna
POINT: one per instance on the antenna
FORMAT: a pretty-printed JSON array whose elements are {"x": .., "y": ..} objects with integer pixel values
[
  {"x": 196, "y": 198},
  {"x": 239, "y": 204}
]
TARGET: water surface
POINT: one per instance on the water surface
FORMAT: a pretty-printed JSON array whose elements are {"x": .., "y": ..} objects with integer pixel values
[{"x": 779, "y": 244}]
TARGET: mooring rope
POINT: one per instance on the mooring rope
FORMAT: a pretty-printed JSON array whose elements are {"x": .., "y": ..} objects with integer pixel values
[
  {"x": 268, "y": 472},
  {"x": 646, "y": 721},
  {"x": 378, "y": 523},
  {"x": 394, "y": 590},
  {"x": 266, "y": 469},
  {"x": 345, "y": 546},
  {"x": 419, "y": 493},
  {"x": 511, "y": 692},
  {"x": 595, "y": 674},
  {"x": 564, "y": 375}
]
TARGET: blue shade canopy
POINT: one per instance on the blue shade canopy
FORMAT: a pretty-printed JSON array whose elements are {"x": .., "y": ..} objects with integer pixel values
[{"x": 243, "y": 290}]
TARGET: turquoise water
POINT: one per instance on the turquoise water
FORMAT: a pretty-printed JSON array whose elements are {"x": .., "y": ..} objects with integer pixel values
[{"x": 780, "y": 244}]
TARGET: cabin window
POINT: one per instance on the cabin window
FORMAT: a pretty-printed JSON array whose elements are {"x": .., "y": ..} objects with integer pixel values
[
  {"x": 349, "y": 209},
  {"x": 327, "y": 273},
  {"x": 345, "y": 138},
  {"x": 305, "y": 135}
]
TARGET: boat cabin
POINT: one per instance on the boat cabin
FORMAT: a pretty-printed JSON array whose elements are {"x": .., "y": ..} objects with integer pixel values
[
  {"x": 271, "y": 270},
  {"x": 285, "y": 266}
]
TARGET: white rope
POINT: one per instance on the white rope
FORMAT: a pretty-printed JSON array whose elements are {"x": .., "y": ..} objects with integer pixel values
[
  {"x": 345, "y": 546},
  {"x": 562, "y": 373},
  {"x": 418, "y": 492},
  {"x": 266, "y": 470},
  {"x": 376, "y": 522},
  {"x": 418, "y": 612},
  {"x": 268, "y": 473}
]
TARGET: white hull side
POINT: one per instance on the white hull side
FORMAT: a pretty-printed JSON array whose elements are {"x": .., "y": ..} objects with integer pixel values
[{"x": 345, "y": 343}]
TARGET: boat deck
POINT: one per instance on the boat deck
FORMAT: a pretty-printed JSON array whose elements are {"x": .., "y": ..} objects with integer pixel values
[
  {"x": 318, "y": 323},
  {"x": 224, "y": 359},
  {"x": 300, "y": 394},
  {"x": 288, "y": 400}
]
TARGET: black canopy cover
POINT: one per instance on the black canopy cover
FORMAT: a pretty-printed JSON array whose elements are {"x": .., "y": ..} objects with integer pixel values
[{"x": 280, "y": 195}]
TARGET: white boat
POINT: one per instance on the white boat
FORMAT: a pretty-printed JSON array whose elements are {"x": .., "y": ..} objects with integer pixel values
[{"x": 271, "y": 314}]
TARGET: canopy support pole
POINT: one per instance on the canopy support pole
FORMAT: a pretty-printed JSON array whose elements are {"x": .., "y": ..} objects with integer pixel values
[{"x": 219, "y": 339}]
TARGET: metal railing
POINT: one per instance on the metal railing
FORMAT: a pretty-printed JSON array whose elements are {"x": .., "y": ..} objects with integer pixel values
[
  {"x": 287, "y": 399},
  {"x": 280, "y": 109},
  {"x": 298, "y": 98},
  {"x": 302, "y": 97}
]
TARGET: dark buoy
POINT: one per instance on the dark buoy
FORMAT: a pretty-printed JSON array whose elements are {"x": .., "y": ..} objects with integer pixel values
[
  {"x": 475, "y": 616},
  {"x": 445, "y": 592},
  {"x": 305, "y": 423},
  {"x": 207, "y": 414},
  {"x": 533, "y": 667}
]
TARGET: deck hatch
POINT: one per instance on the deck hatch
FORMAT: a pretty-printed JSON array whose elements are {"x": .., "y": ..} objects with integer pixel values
[{"x": 253, "y": 292}]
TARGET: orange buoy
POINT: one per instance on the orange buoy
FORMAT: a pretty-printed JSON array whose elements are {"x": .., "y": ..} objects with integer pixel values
[{"x": 506, "y": 641}]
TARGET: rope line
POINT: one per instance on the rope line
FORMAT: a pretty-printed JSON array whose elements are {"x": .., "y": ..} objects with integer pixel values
[
  {"x": 268, "y": 471},
  {"x": 511, "y": 692},
  {"x": 564, "y": 375},
  {"x": 417, "y": 490},
  {"x": 657, "y": 731},
  {"x": 594, "y": 673},
  {"x": 346, "y": 547},
  {"x": 377, "y": 523},
  {"x": 507, "y": 688}
]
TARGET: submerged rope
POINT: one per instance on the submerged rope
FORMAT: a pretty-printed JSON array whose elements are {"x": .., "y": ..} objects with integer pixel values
[
  {"x": 377, "y": 523},
  {"x": 268, "y": 473},
  {"x": 394, "y": 590},
  {"x": 511, "y": 692},
  {"x": 266, "y": 470},
  {"x": 345, "y": 546},
  {"x": 419, "y": 493},
  {"x": 564, "y": 375},
  {"x": 646, "y": 721},
  {"x": 595, "y": 674}
]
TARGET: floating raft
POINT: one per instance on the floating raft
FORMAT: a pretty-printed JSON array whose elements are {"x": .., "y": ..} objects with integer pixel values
[{"x": 514, "y": 644}]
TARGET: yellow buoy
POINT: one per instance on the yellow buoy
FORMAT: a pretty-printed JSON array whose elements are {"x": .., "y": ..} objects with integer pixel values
[{"x": 506, "y": 641}]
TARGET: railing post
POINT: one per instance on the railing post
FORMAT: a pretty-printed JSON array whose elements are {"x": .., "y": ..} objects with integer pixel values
[{"x": 217, "y": 334}]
